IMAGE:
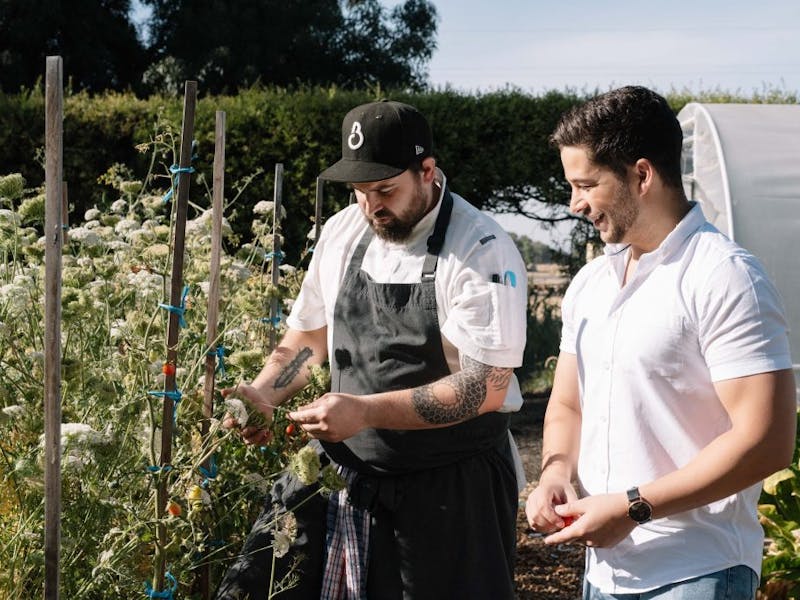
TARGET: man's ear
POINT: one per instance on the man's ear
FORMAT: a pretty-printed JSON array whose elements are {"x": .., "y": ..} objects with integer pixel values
[
  {"x": 428, "y": 169},
  {"x": 645, "y": 175}
]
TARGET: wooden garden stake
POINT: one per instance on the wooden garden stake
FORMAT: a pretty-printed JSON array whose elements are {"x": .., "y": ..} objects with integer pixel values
[
  {"x": 318, "y": 210},
  {"x": 64, "y": 214},
  {"x": 218, "y": 195},
  {"x": 276, "y": 254},
  {"x": 175, "y": 300},
  {"x": 53, "y": 125}
]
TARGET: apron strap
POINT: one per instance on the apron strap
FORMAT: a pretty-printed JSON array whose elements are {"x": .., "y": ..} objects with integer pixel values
[{"x": 436, "y": 240}]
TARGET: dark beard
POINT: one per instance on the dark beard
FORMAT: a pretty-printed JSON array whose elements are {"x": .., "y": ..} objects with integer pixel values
[{"x": 399, "y": 228}]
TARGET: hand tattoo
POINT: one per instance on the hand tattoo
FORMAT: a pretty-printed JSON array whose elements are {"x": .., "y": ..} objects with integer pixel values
[
  {"x": 290, "y": 371},
  {"x": 469, "y": 385}
]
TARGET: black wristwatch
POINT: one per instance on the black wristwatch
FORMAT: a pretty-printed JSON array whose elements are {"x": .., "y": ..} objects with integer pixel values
[{"x": 639, "y": 509}]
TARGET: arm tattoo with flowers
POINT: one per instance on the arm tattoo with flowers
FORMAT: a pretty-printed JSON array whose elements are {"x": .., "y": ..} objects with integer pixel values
[
  {"x": 469, "y": 386},
  {"x": 290, "y": 371}
]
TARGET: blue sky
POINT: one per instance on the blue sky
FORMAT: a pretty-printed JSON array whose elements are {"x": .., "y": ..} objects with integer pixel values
[
  {"x": 585, "y": 45},
  {"x": 540, "y": 45}
]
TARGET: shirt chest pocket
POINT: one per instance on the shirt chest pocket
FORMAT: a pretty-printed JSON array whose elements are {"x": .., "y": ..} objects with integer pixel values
[{"x": 655, "y": 346}]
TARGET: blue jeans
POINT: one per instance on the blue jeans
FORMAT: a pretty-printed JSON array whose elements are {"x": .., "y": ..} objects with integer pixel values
[{"x": 736, "y": 583}]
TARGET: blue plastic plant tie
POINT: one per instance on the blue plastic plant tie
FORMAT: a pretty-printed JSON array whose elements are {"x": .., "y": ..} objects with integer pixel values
[
  {"x": 276, "y": 255},
  {"x": 175, "y": 396},
  {"x": 178, "y": 310},
  {"x": 219, "y": 352},
  {"x": 176, "y": 171},
  {"x": 210, "y": 473},
  {"x": 274, "y": 321},
  {"x": 157, "y": 469},
  {"x": 167, "y": 593}
]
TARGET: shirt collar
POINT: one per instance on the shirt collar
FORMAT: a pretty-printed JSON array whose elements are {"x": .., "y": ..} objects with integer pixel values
[{"x": 691, "y": 222}]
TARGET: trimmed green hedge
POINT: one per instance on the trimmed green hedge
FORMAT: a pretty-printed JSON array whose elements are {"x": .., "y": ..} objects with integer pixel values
[{"x": 493, "y": 146}]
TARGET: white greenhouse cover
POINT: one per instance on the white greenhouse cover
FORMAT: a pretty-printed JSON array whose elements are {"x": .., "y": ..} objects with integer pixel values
[{"x": 742, "y": 163}]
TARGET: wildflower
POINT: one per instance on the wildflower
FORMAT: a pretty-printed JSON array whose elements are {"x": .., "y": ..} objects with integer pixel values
[
  {"x": 331, "y": 480},
  {"x": 105, "y": 556},
  {"x": 156, "y": 251},
  {"x": 15, "y": 411},
  {"x": 152, "y": 202},
  {"x": 119, "y": 206},
  {"x": 130, "y": 187},
  {"x": 265, "y": 207},
  {"x": 234, "y": 337},
  {"x": 125, "y": 226},
  {"x": 12, "y": 186},
  {"x": 306, "y": 465},
  {"x": 237, "y": 410},
  {"x": 91, "y": 214},
  {"x": 247, "y": 360},
  {"x": 32, "y": 209},
  {"x": 280, "y": 544},
  {"x": 81, "y": 434},
  {"x": 84, "y": 237},
  {"x": 9, "y": 217},
  {"x": 287, "y": 523},
  {"x": 244, "y": 413}
]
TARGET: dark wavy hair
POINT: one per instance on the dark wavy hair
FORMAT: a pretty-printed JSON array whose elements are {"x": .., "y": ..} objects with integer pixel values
[{"x": 619, "y": 127}]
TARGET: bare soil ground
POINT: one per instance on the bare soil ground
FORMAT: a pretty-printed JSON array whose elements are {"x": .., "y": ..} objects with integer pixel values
[{"x": 543, "y": 572}]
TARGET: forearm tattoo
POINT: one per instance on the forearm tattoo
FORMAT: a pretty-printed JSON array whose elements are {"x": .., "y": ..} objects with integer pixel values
[
  {"x": 469, "y": 385},
  {"x": 290, "y": 371}
]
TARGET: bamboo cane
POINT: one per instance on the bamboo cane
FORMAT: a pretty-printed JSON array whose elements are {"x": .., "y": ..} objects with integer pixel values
[
  {"x": 176, "y": 293},
  {"x": 276, "y": 254},
  {"x": 54, "y": 106},
  {"x": 218, "y": 194}
]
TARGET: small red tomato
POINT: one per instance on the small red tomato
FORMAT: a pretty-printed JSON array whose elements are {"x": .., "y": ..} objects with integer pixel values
[
  {"x": 290, "y": 429},
  {"x": 568, "y": 521},
  {"x": 168, "y": 369},
  {"x": 174, "y": 508}
]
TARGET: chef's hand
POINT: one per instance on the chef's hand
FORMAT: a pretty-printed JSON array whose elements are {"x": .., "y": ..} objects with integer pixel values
[
  {"x": 250, "y": 434},
  {"x": 332, "y": 417},
  {"x": 600, "y": 521}
]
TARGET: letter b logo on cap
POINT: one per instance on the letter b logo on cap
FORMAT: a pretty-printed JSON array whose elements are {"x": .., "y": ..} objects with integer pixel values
[{"x": 356, "y": 139}]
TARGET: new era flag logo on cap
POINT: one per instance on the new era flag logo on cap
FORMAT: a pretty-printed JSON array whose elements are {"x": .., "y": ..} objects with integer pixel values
[{"x": 380, "y": 140}]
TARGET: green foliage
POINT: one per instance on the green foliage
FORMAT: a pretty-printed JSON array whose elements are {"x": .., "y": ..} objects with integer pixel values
[
  {"x": 115, "y": 273},
  {"x": 779, "y": 512},
  {"x": 543, "y": 336},
  {"x": 97, "y": 41},
  {"x": 492, "y": 147},
  {"x": 533, "y": 252}
]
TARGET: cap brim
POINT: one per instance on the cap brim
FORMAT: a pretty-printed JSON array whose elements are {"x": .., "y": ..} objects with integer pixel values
[{"x": 359, "y": 171}]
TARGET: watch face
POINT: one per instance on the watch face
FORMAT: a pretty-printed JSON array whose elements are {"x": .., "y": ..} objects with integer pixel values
[{"x": 640, "y": 511}]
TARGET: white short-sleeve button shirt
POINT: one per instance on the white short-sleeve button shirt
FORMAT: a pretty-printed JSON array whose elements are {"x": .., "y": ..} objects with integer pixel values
[{"x": 698, "y": 309}]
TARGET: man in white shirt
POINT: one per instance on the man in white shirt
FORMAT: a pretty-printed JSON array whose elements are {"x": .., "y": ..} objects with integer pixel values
[
  {"x": 673, "y": 396},
  {"x": 418, "y": 300}
]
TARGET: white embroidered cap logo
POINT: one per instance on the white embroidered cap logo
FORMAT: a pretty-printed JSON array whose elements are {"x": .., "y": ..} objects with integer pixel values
[
  {"x": 356, "y": 139},
  {"x": 419, "y": 150}
]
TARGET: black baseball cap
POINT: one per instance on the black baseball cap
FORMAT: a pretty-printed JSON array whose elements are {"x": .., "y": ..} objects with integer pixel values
[{"x": 380, "y": 140}]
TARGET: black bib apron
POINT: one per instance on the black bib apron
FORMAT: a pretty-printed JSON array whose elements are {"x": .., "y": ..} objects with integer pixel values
[{"x": 386, "y": 337}]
